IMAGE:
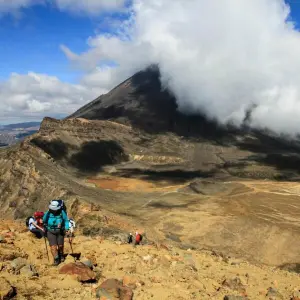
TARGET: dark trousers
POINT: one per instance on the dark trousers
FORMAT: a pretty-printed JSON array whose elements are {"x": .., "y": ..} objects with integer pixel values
[{"x": 37, "y": 232}]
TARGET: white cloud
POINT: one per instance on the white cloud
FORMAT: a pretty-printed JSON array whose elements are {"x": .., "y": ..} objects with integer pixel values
[
  {"x": 12, "y": 6},
  {"x": 92, "y": 7},
  {"x": 36, "y": 95},
  {"x": 218, "y": 57}
]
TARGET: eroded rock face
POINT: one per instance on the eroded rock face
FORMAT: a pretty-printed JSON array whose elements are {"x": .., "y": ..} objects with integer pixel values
[{"x": 83, "y": 272}]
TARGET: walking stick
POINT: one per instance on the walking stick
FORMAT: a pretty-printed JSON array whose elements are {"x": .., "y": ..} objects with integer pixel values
[
  {"x": 71, "y": 248},
  {"x": 46, "y": 249}
]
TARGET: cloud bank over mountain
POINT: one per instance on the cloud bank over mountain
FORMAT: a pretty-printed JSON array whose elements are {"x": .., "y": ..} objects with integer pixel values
[{"x": 218, "y": 58}]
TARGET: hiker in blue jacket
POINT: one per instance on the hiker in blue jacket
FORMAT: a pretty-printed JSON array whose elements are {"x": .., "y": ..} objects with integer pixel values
[{"x": 56, "y": 224}]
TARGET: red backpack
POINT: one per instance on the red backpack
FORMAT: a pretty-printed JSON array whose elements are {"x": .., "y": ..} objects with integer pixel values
[
  {"x": 38, "y": 215},
  {"x": 138, "y": 238}
]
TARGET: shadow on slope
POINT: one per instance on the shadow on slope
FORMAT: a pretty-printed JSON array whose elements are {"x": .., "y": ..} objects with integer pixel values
[
  {"x": 89, "y": 158},
  {"x": 93, "y": 155},
  {"x": 174, "y": 176},
  {"x": 57, "y": 149}
]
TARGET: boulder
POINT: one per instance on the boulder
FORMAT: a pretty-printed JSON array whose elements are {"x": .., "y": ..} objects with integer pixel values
[
  {"x": 114, "y": 290},
  {"x": 29, "y": 271},
  {"x": 2, "y": 239},
  {"x": 18, "y": 263},
  {"x": 6, "y": 290},
  {"x": 234, "y": 284},
  {"x": 83, "y": 272}
]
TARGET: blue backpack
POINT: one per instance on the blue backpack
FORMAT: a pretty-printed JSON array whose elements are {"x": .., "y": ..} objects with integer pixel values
[{"x": 52, "y": 221}]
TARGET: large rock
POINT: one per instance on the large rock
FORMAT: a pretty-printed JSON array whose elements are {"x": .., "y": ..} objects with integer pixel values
[
  {"x": 83, "y": 272},
  {"x": 18, "y": 263},
  {"x": 6, "y": 290},
  {"x": 113, "y": 289},
  {"x": 29, "y": 271}
]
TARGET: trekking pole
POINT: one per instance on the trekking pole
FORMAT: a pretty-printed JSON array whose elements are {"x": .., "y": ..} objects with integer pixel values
[
  {"x": 71, "y": 248},
  {"x": 46, "y": 249}
]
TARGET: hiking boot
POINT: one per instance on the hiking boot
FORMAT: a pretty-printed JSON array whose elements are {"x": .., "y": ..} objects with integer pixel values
[
  {"x": 61, "y": 256},
  {"x": 56, "y": 261}
]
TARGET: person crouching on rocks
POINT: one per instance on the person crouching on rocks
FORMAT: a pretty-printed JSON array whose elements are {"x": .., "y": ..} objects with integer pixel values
[
  {"x": 56, "y": 224},
  {"x": 35, "y": 226}
]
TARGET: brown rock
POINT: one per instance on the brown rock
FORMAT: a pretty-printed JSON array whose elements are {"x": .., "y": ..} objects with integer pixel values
[
  {"x": 83, "y": 272},
  {"x": 113, "y": 289},
  {"x": 132, "y": 282},
  {"x": 234, "y": 284},
  {"x": 6, "y": 290}
]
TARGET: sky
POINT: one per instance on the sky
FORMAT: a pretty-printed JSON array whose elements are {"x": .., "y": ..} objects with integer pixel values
[{"x": 218, "y": 58}]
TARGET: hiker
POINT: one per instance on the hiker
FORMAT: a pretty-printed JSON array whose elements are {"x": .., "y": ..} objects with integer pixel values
[
  {"x": 138, "y": 238},
  {"x": 130, "y": 238},
  {"x": 72, "y": 225},
  {"x": 56, "y": 224},
  {"x": 35, "y": 224}
]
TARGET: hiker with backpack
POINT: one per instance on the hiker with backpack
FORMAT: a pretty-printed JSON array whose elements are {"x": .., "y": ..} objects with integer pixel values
[
  {"x": 35, "y": 224},
  {"x": 56, "y": 224},
  {"x": 138, "y": 238}
]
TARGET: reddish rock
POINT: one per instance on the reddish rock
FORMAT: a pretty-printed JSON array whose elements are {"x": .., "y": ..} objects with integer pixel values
[
  {"x": 114, "y": 290},
  {"x": 83, "y": 272}
]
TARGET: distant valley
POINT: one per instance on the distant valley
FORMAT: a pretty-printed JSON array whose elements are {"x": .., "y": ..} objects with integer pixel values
[{"x": 12, "y": 133}]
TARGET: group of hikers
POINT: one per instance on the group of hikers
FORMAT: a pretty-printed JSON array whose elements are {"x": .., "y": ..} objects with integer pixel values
[{"x": 54, "y": 225}]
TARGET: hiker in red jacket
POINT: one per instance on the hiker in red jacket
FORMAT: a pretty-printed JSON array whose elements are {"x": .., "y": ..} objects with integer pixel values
[{"x": 138, "y": 238}]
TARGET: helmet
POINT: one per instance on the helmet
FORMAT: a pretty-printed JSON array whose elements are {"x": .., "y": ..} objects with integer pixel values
[{"x": 54, "y": 205}]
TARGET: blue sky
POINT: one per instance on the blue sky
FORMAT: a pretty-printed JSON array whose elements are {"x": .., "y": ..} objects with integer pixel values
[
  {"x": 32, "y": 43},
  {"x": 58, "y": 55}
]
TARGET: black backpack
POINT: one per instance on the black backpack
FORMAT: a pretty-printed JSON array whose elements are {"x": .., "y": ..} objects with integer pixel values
[{"x": 27, "y": 221}]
